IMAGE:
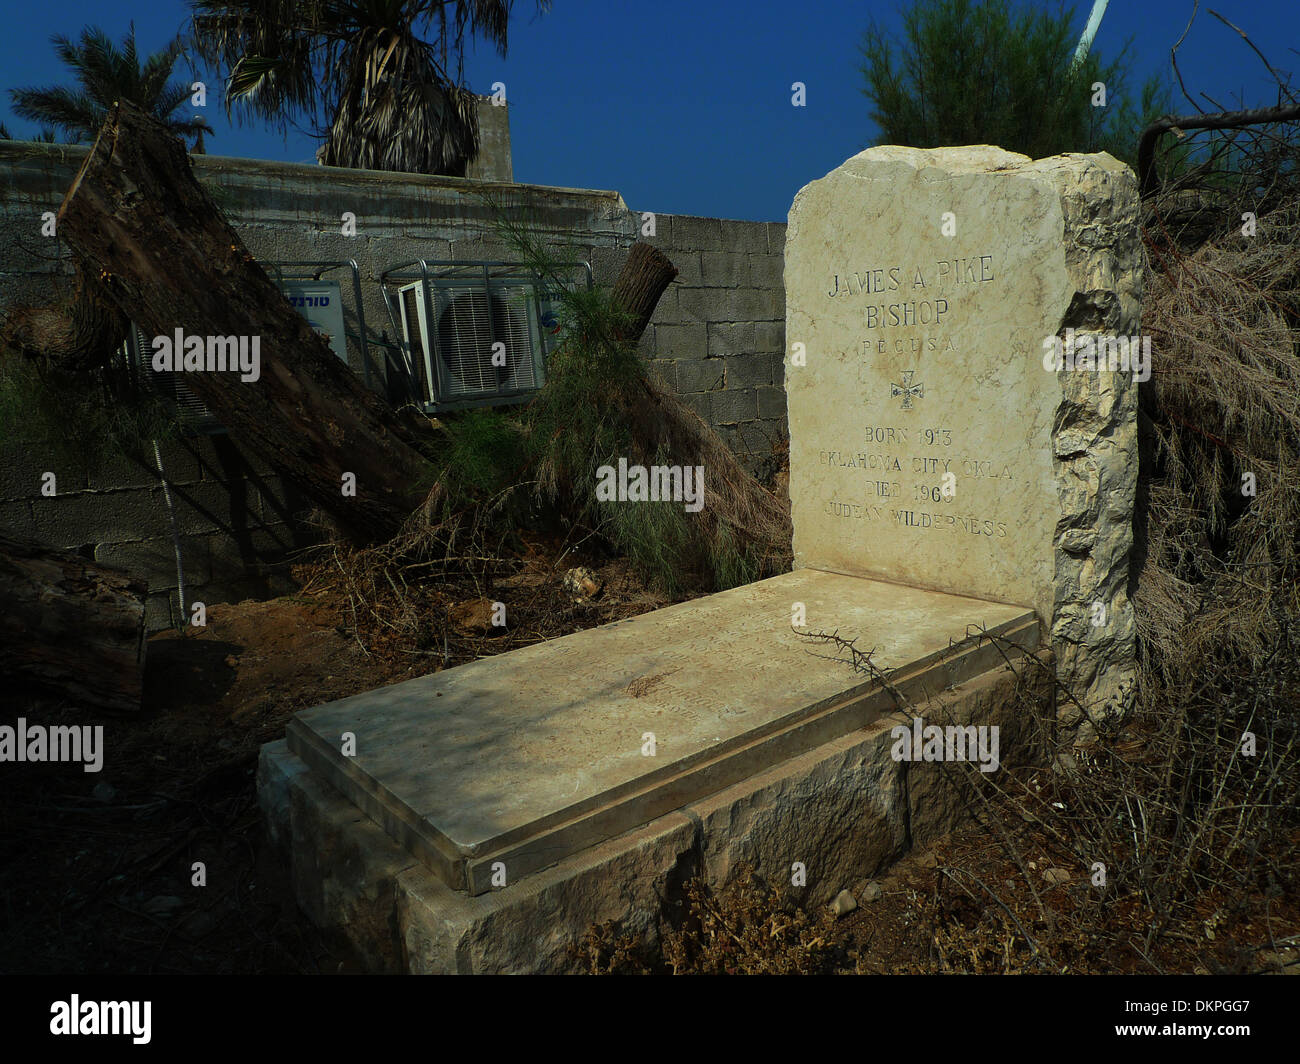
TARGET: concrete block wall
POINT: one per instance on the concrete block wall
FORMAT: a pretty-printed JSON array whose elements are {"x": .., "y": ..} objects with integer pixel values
[
  {"x": 234, "y": 521},
  {"x": 716, "y": 338}
]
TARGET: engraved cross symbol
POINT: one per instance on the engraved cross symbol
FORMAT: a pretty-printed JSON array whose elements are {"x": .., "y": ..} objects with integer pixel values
[{"x": 907, "y": 389}]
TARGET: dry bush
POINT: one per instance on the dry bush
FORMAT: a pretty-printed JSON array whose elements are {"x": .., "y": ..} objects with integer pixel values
[
  {"x": 1155, "y": 822},
  {"x": 746, "y": 928},
  {"x": 1219, "y": 576}
]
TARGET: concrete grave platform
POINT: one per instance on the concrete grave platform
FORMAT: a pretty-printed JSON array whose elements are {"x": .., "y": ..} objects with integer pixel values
[
  {"x": 846, "y": 810},
  {"x": 768, "y": 751},
  {"x": 512, "y": 763}
]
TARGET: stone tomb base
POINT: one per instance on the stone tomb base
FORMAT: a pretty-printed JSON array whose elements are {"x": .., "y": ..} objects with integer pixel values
[{"x": 595, "y": 773}]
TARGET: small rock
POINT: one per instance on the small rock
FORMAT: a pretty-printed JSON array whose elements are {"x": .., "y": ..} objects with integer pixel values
[
  {"x": 583, "y": 583},
  {"x": 104, "y": 792},
  {"x": 872, "y": 892},
  {"x": 1066, "y": 764},
  {"x": 844, "y": 903},
  {"x": 1056, "y": 875},
  {"x": 475, "y": 617}
]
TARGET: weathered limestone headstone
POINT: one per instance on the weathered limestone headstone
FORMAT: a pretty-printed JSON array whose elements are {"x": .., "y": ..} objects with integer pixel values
[{"x": 932, "y": 443}]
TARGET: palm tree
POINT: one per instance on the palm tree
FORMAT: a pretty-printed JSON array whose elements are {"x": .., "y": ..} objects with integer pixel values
[
  {"x": 106, "y": 74},
  {"x": 391, "y": 97}
]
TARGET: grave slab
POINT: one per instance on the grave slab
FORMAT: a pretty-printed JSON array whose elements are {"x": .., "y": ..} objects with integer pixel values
[
  {"x": 513, "y": 763},
  {"x": 845, "y": 810}
]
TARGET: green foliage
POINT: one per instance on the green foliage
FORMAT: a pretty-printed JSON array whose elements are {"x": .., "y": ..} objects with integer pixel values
[
  {"x": 591, "y": 412},
  {"x": 79, "y": 419},
  {"x": 578, "y": 423},
  {"x": 483, "y": 455},
  {"x": 105, "y": 74},
  {"x": 985, "y": 72}
]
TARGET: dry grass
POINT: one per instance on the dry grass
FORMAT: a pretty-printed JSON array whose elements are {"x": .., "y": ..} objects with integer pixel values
[{"x": 1219, "y": 577}]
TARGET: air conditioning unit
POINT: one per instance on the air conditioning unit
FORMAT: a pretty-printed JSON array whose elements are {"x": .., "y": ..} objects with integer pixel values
[
  {"x": 137, "y": 353},
  {"x": 472, "y": 343},
  {"x": 474, "y": 333},
  {"x": 320, "y": 302}
]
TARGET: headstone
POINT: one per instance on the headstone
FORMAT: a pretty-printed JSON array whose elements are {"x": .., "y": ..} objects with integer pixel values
[{"x": 936, "y": 439}]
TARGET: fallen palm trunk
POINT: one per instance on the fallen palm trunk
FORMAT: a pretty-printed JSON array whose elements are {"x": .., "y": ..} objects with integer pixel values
[{"x": 169, "y": 260}]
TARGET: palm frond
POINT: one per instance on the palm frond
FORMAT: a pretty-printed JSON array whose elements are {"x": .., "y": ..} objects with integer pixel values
[
  {"x": 388, "y": 96},
  {"x": 104, "y": 73}
]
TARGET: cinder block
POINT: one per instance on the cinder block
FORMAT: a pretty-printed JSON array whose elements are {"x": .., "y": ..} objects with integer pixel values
[
  {"x": 757, "y": 438},
  {"x": 430, "y": 242},
  {"x": 154, "y": 560},
  {"x": 27, "y": 251},
  {"x": 729, "y": 339},
  {"x": 20, "y": 471},
  {"x": 689, "y": 270},
  {"x": 724, "y": 269},
  {"x": 767, "y": 271},
  {"x": 605, "y": 263},
  {"x": 724, "y": 304},
  {"x": 699, "y": 375},
  {"x": 23, "y": 467},
  {"x": 645, "y": 344},
  {"x": 690, "y": 233},
  {"x": 769, "y": 337},
  {"x": 749, "y": 371},
  {"x": 732, "y": 407},
  {"x": 160, "y": 612},
  {"x": 768, "y": 303},
  {"x": 668, "y": 310},
  {"x": 483, "y": 249},
  {"x": 210, "y": 506},
  {"x": 117, "y": 472},
  {"x": 776, "y": 238},
  {"x": 681, "y": 341},
  {"x": 247, "y": 553},
  {"x": 747, "y": 237},
  {"x": 101, "y": 517},
  {"x": 702, "y": 404},
  {"x": 33, "y": 289},
  {"x": 16, "y": 519},
  {"x": 771, "y": 403}
]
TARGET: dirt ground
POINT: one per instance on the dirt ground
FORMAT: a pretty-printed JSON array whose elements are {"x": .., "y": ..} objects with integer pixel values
[{"x": 96, "y": 868}]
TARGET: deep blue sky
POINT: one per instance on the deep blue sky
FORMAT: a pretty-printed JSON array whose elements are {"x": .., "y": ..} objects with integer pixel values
[{"x": 683, "y": 106}]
